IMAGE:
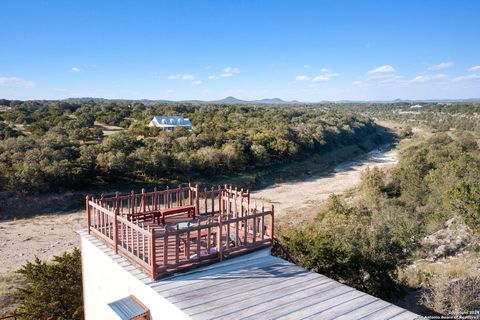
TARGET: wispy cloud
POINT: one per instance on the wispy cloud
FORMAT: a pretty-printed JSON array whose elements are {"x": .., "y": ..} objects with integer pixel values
[
  {"x": 474, "y": 68},
  {"x": 325, "y": 75},
  {"x": 230, "y": 71},
  {"x": 422, "y": 79},
  {"x": 302, "y": 78},
  {"x": 186, "y": 77},
  {"x": 75, "y": 69},
  {"x": 227, "y": 72},
  {"x": 16, "y": 82},
  {"x": 320, "y": 78},
  {"x": 467, "y": 77},
  {"x": 441, "y": 66},
  {"x": 382, "y": 70},
  {"x": 197, "y": 82}
]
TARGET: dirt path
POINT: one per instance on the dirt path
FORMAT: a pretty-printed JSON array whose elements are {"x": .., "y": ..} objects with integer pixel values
[
  {"x": 300, "y": 199},
  {"x": 45, "y": 236}
]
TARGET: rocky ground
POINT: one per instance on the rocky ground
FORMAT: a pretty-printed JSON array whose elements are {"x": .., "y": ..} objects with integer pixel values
[{"x": 43, "y": 236}]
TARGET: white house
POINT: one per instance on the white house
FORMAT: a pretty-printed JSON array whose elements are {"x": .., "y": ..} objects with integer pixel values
[{"x": 169, "y": 123}]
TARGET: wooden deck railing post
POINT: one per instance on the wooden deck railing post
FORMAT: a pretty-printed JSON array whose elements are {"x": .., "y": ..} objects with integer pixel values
[
  {"x": 153, "y": 255},
  {"x": 180, "y": 196},
  {"x": 197, "y": 201},
  {"x": 219, "y": 198},
  {"x": 87, "y": 210},
  {"x": 155, "y": 199},
  {"x": 115, "y": 229},
  {"x": 144, "y": 198},
  {"x": 270, "y": 231},
  {"x": 219, "y": 239},
  {"x": 190, "y": 194},
  {"x": 165, "y": 249},
  {"x": 212, "y": 198},
  {"x": 132, "y": 202}
]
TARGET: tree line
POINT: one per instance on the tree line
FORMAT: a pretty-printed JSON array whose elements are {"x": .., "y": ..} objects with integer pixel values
[{"x": 63, "y": 146}]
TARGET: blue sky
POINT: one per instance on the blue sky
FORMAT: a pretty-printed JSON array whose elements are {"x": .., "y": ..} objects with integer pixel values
[{"x": 304, "y": 50}]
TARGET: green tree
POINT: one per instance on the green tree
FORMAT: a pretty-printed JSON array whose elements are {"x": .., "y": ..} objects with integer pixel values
[
  {"x": 464, "y": 199},
  {"x": 52, "y": 290},
  {"x": 355, "y": 245}
]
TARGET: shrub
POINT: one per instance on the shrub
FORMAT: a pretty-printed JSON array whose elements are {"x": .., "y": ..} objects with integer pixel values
[
  {"x": 453, "y": 297},
  {"x": 355, "y": 245},
  {"x": 52, "y": 290}
]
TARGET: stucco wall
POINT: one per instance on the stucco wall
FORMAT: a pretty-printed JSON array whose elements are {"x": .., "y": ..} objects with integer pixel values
[{"x": 106, "y": 281}]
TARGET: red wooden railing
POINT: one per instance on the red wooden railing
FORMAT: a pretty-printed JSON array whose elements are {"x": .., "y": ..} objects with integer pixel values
[{"x": 228, "y": 225}]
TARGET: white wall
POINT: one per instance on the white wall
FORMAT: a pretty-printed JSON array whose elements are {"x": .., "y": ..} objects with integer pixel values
[{"x": 105, "y": 281}]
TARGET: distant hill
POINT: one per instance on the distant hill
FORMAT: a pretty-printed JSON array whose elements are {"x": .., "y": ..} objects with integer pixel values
[
  {"x": 227, "y": 100},
  {"x": 271, "y": 101}
]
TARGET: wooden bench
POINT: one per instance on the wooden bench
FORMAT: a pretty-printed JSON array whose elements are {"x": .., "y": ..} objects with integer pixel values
[
  {"x": 159, "y": 215},
  {"x": 141, "y": 217},
  {"x": 190, "y": 210}
]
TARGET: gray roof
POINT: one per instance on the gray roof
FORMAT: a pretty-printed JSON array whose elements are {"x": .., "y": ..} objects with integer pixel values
[
  {"x": 259, "y": 286},
  {"x": 172, "y": 121}
]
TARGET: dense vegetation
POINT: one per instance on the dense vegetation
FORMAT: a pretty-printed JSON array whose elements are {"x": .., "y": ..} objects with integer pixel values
[
  {"x": 439, "y": 116},
  {"x": 366, "y": 242},
  {"x": 52, "y": 290},
  {"x": 63, "y": 146}
]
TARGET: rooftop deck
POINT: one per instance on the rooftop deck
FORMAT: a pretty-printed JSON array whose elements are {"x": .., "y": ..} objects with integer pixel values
[
  {"x": 163, "y": 232},
  {"x": 251, "y": 286}
]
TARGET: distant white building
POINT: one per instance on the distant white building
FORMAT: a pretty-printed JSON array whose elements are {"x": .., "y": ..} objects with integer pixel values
[
  {"x": 417, "y": 106},
  {"x": 169, "y": 123}
]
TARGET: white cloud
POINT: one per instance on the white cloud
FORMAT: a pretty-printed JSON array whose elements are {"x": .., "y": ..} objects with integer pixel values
[
  {"x": 358, "y": 82},
  {"x": 382, "y": 70},
  {"x": 441, "y": 66},
  {"x": 307, "y": 66},
  {"x": 227, "y": 72},
  {"x": 325, "y": 75},
  {"x": 197, "y": 82},
  {"x": 302, "y": 78},
  {"x": 16, "y": 82},
  {"x": 230, "y": 71},
  {"x": 474, "y": 68},
  {"x": 474, "y": 76},
  {"x": 186, "y": 76},
  {"x": 75, "y": 69},
  {"x": 421, "y": 79},
  {"x": 331, "y": 74},
  {"x": 320, "y": 78}
]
